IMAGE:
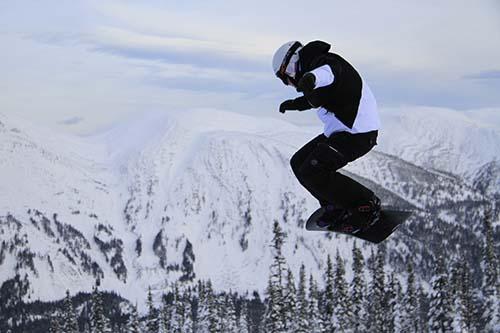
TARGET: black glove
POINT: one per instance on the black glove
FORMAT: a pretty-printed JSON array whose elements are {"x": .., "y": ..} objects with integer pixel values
[
  {"x": 306, "y": 83},
  {"x": 289, "y": 104}
]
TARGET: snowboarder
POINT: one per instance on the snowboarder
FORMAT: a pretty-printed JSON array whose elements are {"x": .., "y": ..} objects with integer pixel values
[{"x": 347, "y": 107}]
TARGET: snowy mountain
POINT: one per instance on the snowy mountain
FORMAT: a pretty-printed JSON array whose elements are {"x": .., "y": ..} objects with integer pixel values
[
  {"x": 174, "y": 196},
  {"x": 461, "y": 143},
  {"x": 487, "y": 179}
]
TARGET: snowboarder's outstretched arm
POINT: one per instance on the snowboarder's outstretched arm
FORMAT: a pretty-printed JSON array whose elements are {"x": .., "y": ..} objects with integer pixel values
[
  {"x": 308, "y": 101},
  {"x": 297, "y": 104}
]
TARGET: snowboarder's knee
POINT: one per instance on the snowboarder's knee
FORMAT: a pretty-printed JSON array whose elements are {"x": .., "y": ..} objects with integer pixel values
[{"x": 326, "y": 156}]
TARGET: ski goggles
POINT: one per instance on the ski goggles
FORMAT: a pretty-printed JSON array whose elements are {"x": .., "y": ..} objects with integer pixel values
[{"x": 281, "y": 73}]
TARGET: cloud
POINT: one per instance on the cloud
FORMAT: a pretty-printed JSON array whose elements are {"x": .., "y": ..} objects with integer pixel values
[
  {"x": 484, "y": 75},
  {"x": 400, "y": 87},
  {"x": 212, "y": 54},
  {"x": 71, "y": 121},
  {"x": 100, "y": 60},
  {"x": 415, "y": 35}
]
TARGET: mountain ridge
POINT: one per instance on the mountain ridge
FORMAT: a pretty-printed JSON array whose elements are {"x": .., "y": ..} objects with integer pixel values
[{"x": 133, "y": 214}]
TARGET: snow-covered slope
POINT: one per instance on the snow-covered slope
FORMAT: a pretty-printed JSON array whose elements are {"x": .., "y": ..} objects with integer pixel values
[
  {"x": 133, "y": 206},
  {"x": 456, "y": 142},
  {"x": 39, "y": 166},
  {"x": 179, "y": 195},
  {"x": 487, "y": 179}
]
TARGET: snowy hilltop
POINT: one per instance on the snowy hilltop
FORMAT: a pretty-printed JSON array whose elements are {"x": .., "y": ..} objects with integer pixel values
[
  {"x": 460, "y": 143},
  {"x": 188, "y": 195}
]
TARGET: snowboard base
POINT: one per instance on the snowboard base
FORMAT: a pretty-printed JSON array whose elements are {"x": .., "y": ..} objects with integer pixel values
[{"x": 390, "y": 220}]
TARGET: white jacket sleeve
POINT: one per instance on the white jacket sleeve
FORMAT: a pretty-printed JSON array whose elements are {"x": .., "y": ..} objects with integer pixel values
[{"x": 324, "y": 76}]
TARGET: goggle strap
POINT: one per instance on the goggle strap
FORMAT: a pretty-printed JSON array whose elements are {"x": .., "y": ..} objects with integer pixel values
[{"x": 281, "y": 72}]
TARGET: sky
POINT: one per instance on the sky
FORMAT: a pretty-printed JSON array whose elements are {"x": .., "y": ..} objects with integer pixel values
[{"x": 81, "y": 66}]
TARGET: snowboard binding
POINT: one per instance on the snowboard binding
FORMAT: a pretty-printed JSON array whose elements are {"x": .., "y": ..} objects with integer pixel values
[
  {"x": 368, "y": 221},
  {"x": 361, "y": 217}
]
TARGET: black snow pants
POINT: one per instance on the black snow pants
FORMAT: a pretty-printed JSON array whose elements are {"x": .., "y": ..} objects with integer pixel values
[{"x": 315, "y": 165}]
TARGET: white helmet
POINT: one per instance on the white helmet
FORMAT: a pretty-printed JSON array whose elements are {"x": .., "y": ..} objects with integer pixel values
[{"x": 285, "y": 60}]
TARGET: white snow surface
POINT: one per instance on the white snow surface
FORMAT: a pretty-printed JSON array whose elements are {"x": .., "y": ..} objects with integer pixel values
[
  {"x": 215, "y": 179},
  {"x": 451, "y": 141}
]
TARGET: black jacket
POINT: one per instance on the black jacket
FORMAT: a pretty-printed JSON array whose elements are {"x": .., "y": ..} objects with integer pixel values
[{"x": 342, "y": 97}]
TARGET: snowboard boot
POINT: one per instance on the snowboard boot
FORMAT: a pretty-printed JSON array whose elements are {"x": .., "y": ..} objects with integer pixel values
[
  {"x": 333, "y": 215},
  {"x": 369, "y": 211}
]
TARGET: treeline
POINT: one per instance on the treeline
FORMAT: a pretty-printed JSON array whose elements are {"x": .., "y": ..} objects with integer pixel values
[
  {"x": 371, "y": 297},
  {"x": 376, "y": 300}
]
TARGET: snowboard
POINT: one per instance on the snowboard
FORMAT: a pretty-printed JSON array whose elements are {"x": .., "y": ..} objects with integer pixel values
[{"x": 390, "y": 220}]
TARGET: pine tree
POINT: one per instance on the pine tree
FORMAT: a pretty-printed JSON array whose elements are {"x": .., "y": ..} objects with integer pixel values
[
  {"x": 490, "y": 285},
  {"x": 410, "y": 319},
  {"x": 490, "y": 262},
  {"x": 213, "y": 313},
  {"x": 469, "y": 310},
  {"x": 376, "y": 304},
  {"x": 440, "y": 309},
  {"x": 164, "y": 316},
  {"x": 134, "y": 325},
  {"x": 229, "y": 313},
  {"x": 87, "y": 315},
  {"x": 275, "y": 313},
  {"x": 290, "y": 309},
  {"x": 329, "y": 319},
  {"x": 70, "y": 322},
  {"x": 177, "y": 315},
  {"x": 341, "y": 304},
  {"x": 315, "y": 318},
  {"x": 243, "y": 320},
  {"x": 203, "y": 316},
  {"x": 272, "y": 315},
  {"x": 226, "y": 318},
  {"x": 393, "y": 312},
  {"x": 152, "y": 319},
  {"x": 54, "y": 324},
  {"x": 188, "y": 321},
  {"x": 256, "y": 313},
  {"x": 99, "y": 322},
  {"x": 357, "y": 318},
  {"x": 455, "y": 290},
  {"x": 423, "y": 308},
  {"x": 268, "y": 315},
  {"x": 302, "y": 303}
]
